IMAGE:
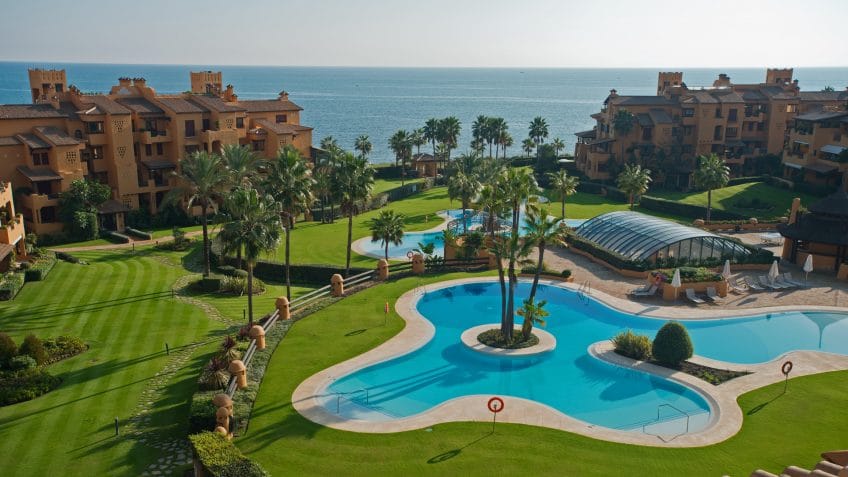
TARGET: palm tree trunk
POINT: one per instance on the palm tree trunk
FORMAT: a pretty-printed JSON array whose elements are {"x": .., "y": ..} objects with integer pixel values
[
  {"x": 288, "y": 271},
  {"x": 205, "y": 222},
  {"x": 323, "y": 215},
  {"x": 631, "y": 201},
  {"x": 238, "y": 257},
  {"x": 387, "y": 250},
  {"x": 349, "y": 238},
  {"x": 502, "y": 281},
  {"x": 249, "y": 293},
  {"x": 510, "y": 301},
  {"x": 563, "y": 206},
  {"x": 538, "y": 270},
  {"x": 464, "y": 222},
  {"x": 709, "y": 203}
]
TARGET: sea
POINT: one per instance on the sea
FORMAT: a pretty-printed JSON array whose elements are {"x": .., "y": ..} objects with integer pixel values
[{"x": 345, "y": 102}]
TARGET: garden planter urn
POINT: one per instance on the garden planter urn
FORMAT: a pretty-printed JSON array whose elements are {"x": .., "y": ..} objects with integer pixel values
[
  {"x": 382, "y": 269},
  {"x": 239, "y": 371},
  {"x": 258, "y": 333},
  {"x": 337, "y": 283},
  {"x": 282, "y": 305}
]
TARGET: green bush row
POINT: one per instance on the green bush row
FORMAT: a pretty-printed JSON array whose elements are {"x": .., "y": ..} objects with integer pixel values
[
  {"x": 612, "y": 258},
  {"x": 601, "y": 189},
  {"x": 10, "y": 285},
  {"x": 671, "y": 345},
  {"x": 25, "y": 384},
  {"x": 138, "y": 233},
  {"x": 39, "y": 268},
  {"x": 685, "y": 210},
  {"x": 116, "y": 237},
  {"x": 632, "y": 345},
  {"x": 221, "y": 458}
]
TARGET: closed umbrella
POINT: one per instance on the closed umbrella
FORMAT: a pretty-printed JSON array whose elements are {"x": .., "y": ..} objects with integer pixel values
[
  {"x": 808, "y": 267},
  {"x": 726, "y": 272},
  {"x": 676, "y": 282},
  {"x": 773, "y": 271}
]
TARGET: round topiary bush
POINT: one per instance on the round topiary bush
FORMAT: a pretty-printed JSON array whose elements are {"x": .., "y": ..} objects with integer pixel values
[
  {"x": 22, "y": 362},
  {"x": 8, "y": 349},
  {"x": 33, "y": 348},
  {"x": 672, "y": 345}
]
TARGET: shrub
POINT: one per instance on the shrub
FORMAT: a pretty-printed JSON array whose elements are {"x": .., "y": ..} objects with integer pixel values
[
  {"x": 66, "y": 257},
  {"x": 672, "y": 345},
  {"x": 10, "y": 285},
  {"x": 238, "y": 286},
  {"x": 33, "y": 347},
  {"x": 239, "y": 273},
  {"x": 116, "y": 237},
  {"x": 138, "y": 233},
  {"x": 39, "y": 268},
  {"x": 689, "y": 274},
  {"x": 566, "y": 273},
  {"x": 8, "y": 349},
  {"x": 210, "y": 284},
  {"x": 222, "y": 458},
  {"x": 25, "y": 384},
  {"x": 228, "y": 270},
  {"x": 685, "y": 210},
  {"x": 22, "y": 362},
  {"x": 63, "y": 347},
  {"x": 201, "y": 415},
  {"x": 632, "y": 345}
]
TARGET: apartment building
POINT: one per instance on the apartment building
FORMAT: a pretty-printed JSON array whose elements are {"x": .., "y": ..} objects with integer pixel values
[
  {"x": 735, "y": 121},
  {"x": 130, "y": 138},
  {"x": 817, "y": 149},
  {"x": 12, "y": 231}
]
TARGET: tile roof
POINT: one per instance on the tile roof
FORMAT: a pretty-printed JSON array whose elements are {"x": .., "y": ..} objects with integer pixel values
[
  {"x": 590, "y": 133},
  {"x": 112, "y": 206},
  {"x": 776, "y": 92},
  {"x": 180, "y": 106},
  {"x": 9, "y": 141},
  {"x": 729, "y": 97},
  {"x": 823, "y": 95},
  {"x": 644, "y": 120},
  {"x": 423, "y": 157},
  {"x": 643, "y": 100},
  {"x": 140, "y": 105},
  {"x": 702, "y": 97},
  {"x": 282, "y": 128},
  {"x": 101, "y": 105},
  {"x": 821, "y": 115},
  {"x": 753, "y": 95},
  {"x": 32, "y": 141},
  {"x": 156, "y": 164},
  {"x": 29, "y": 111},
  {"x": 55, "y": 136},
  {"x": 659, "y": 116},
  {"x": 39, "y": 174},
  {"x": 214, "y": 103},
  {"x": 268, "y": 105}
]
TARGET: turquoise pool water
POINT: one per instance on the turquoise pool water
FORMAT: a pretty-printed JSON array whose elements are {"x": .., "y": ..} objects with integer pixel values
[
  {"x": 568, "y": 379},
  {"x": 411, "y": 239}
]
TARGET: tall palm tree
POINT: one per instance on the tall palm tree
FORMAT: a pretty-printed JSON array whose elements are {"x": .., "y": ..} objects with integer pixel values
[
  {"x": 387, "y": 228},
  {"x": 255, "y": 229},
  {"x": 515, "y": 251},
  {"x": 538, "y": 131},
  {"x": 464, "y": 182},
  {"x": 533, "y": 313},
  {"x": 542, "y": 230},
  {"x": 493, "y": 201},
  {"x": 449, "y": 129},
  {"x": 289, "y": 181},
  {"x": 712, "y": 173},
  {"x": 478, "y": 127},
  {"x": 505, "y": 140},
  {"x": 323, "y": 187},
  {"x": 633, "y": 181},
  {"x": 355, "y": 181},
  {"x": 329, "y": 144},
  {"x": 400, "y": 144},
  {"x": 527, "y": 146},
  {"x": 241, "y": 163},
  {"x": 558, "y": 146},
  {"x": 519, "y": 185},
  {"x": 564, "y": 185},
  {"x": 497, "y": 128},
  {"x": 417, "y": 139},
  {"x": 431, "y": 133},
  {"x": 202, "y": 178},
  {"x": 363, "y": 145}
]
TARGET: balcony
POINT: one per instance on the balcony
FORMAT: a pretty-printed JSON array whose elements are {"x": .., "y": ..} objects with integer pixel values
[
  {"x": 152, "y": 137},
  {"x": 225, "y": 136},
  {"x": 13, "y": 230},
  {"x": 36, "y": 201},
  {"x": 97, "y": 139}
]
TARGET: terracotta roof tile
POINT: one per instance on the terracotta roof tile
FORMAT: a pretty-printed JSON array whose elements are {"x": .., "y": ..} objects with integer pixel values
[
  {"x": 214, "y": 103},
  {"x": 55, "y": 136},
  {"x": 29, "y": 111},
  {"x": 268, "y": 105},
  {"x": 180, "y": 106}
]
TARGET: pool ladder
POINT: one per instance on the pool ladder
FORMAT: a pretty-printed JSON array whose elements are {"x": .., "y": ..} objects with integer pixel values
[
  {"x": 584, "y": 291},
  {"x": 340, "y": 396},
  {"x": 658, "y": 420}
]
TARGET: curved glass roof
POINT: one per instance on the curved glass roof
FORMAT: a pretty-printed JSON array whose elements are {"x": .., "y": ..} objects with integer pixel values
[{"x": 638, "y": 236}]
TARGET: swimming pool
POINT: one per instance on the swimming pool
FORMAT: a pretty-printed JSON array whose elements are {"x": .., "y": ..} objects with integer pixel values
[
  {"x": 411, "y": 240},
  {"x": 567, "y": 379}
]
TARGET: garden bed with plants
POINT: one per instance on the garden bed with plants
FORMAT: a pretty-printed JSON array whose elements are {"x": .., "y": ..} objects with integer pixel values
[
  {"x": 22, "y": 369},
  {"x": 495, "y": 339}
]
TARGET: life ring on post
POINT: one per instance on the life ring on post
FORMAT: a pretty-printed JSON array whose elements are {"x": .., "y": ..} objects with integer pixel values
[
  {"x": 495, "y": 404},
  {"x": 410, "y": 254},
  {"x": 786, "y": 368}
]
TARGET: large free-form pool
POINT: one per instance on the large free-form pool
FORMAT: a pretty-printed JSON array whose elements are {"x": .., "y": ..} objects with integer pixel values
[{"x": 567, "y": 379}]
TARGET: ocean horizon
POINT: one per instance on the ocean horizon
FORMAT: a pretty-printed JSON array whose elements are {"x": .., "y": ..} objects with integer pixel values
[{"x": 347, "y": 101}]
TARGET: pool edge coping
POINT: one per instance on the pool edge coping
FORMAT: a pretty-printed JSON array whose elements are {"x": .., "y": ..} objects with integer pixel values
[{"x": 726, "y": 416}]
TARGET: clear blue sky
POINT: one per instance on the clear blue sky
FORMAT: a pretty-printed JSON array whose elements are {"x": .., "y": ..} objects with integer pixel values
[{"x": 543, "y": 33}]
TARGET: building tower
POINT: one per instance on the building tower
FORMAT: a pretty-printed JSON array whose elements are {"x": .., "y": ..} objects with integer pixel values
[
  {"x": 668, "y": 79},
  {"x": 44, "y": 84},
  {"x": 207, "y": 82},
  {"x": 779, "y": 76}
]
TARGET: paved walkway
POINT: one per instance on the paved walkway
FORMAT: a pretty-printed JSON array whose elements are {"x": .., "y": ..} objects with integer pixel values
[{"x": 113, "y": 246}]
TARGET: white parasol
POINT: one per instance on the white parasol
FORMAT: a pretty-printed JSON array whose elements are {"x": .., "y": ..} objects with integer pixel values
[
  {"x": 676, "y": 282},
  {"x": 808, "y": 267}
]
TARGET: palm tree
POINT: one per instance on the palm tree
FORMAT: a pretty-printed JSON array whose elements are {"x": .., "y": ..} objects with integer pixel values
[
  {"x": 417, "y": 139},
  {"x": 323, "y": 187},
  {"x": 623, "y": 122},
  {"x": 527, "y": 146},
  {"x": 329, "y": 144},
  {"x": 542, "y": 229},
  {"x": 533, "y": 313},
  {"x": 464, "y": 182},
  {"x": 538, "y": 131},
  {"x": 519, "y": 185},
  {"x": 492, "y": 200},
  {"x": 241, "y": 163},
  {"x": 478, "y": 128},
  {"x": 289, "y": 181},
  {"x": 564, "y": 185},
  {"x": 355, "y": 181},
  {"x": 255, "y": 229},
  {"x": 431, "y": 133},
  {"x": 633, "y": 180},
  {"x": 387, "y": 228},
  {"x": 202, "y": 178},
  {"x": 363, "y": 145},
  {"x": 497, "y": 129},
  {"x": 558, "y": 146},
  {"x": 505, "y": 140},
  {"x": 449, "y": 129},
  {"x": 399, "y": 143},
  {"x": 712, "y": 173},
  {"x": 514, "y": 250}
]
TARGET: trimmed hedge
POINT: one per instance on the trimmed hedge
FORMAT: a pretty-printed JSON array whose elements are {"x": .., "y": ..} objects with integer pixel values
[
  {"x": 672, "y": 344},
  {"x": 221, "y": 458},
  {"x": 597, "y": 188},
  {"x": 393, "y": 172},
  {"x": 685, "y": 210},
  {"x": 66, "y": 257},
  {"x": 138, "y": 233},
  {"x": 10, "y": 285},
  {"x": 116, "y": 237},
  {"x": 63, "y": 347},
  {"x": 40, "y": 268},
  {"x": 25, "y": 384}
]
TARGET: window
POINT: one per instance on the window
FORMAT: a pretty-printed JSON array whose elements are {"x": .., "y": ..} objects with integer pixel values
[
  {"x": 148, "y": 150},
  {"x": 159, "y": 149},
  {"x": 259, "y": 145},
  {"x": 205, "y": 124},
  {"x": 647, "y": 133},
  {"x": 731, "y": 115},
  {"x": 687, "y": 149},
  {"x": 189, "y": 128},
  {"x": 688, "y": 130},
  {"x": 59, "y": 87},
  {"x": 40, "y": 159},
  {"x": 732, "y": 132},
  {"x": 240, "y": 123},
  {"x": 717, "y": 133},
  {"x": 94, "y": 127},
  {"x": 761, "y": 126},
  {"x": 191, "y": 149},
  {"x": 102, "y": 177},
  {"x": 718, "y": 112},
  {"x": 688, "y": 112},
  {"x": 791, "y": 108},
  {"x": 47, "y": 214},
  {"x": 78, "y": 134},
  {"x": 43, "y": 188},
  {"x": 281, "y": 118},
  {"x": 96, "y": 152}
]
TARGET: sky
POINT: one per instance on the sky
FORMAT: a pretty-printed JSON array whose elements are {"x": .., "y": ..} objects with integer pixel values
[{"x": 452, "y": 33}]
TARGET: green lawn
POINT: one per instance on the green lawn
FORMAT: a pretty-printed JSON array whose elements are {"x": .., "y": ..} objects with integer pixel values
[
  {"x": 779, "y": 430},
  {"x": 121, "y": 305},
  {"x": 382, "y": 185},
  {"x": 233, "y": 306},
  {"x": 776, "y": 201}
]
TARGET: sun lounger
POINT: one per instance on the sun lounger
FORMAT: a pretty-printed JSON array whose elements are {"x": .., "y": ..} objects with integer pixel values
[
  {"x": 690, "y": 294},
  {"x": 641, "y": 289},
  {"x": 651, "y": 291},
  {"x": 783, "y": 283},
  {"x": 787, "y": 277},
  {"x": 737, "y": 287},
  {"x": 764, "y": 281},
  {"x": 753, "y": 285},
  {"x": 712, "y": 295}
]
